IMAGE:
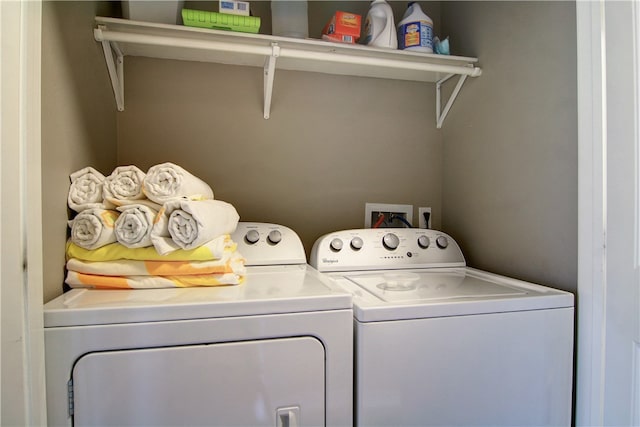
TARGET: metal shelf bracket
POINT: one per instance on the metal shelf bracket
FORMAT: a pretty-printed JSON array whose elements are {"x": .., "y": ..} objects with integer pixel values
[
  {"x": 441, "y": 114},
  {"x": 115, "y": 66},
  {"x": 269, "y": 75}
]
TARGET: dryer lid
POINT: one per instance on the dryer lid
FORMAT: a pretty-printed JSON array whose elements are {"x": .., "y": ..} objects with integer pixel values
[{"x": 266, "y": 290}]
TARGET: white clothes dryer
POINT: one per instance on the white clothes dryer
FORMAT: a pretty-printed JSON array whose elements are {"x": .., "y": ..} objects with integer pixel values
[
  {"x": 276, "y": 350},
  {"x": 441, "y": 344}
]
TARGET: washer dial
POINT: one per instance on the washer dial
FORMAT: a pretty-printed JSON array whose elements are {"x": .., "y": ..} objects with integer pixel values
[
  {"x": 424, "y": 242},
  {"x": 390, "y": 241},
  {"x": 356, "y": 243},
  {"x": 442, "y": 242}
]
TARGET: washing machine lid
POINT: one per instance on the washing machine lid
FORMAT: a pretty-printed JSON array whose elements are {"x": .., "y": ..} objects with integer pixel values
[
  {"x": 439, "y": 292},
  {"x": 266, "y": 290}
]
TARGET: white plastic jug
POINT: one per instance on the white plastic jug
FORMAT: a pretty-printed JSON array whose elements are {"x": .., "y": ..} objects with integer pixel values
[
  {"x": 415, "y": 30},
  {"x": 379, "y": 28}
]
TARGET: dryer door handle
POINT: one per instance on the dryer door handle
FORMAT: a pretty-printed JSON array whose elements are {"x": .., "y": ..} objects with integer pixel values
[{"x": 288, "y": 417}]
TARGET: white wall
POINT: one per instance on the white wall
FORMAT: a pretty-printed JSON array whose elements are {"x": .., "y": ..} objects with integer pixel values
[{"x": 22, "y": 357}]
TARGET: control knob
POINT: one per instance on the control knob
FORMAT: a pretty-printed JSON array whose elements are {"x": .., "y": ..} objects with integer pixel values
[
  {"x": 252, "y": 236},
  {"x": 274, "y": 237},
  {"x": 336, "y": 245},
  {"x": 423, "y": 242},
  {"x": 356, "y": 243},
  {"x": 442, "y": 242},
  {"x": 390, "y": 241}
]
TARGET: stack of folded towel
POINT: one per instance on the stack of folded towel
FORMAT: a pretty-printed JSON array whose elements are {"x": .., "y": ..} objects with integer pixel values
[{"x": 149, "y": 230}]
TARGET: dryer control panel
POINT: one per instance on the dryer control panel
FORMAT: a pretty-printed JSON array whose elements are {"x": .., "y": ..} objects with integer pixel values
[
  {"x": 262, "y": 243},
  {"x": 385, "y": 248}
]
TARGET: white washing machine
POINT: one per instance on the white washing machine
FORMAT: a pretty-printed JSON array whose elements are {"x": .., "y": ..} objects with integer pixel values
[
  {"x": 276, "y": 350},
  {"x": 441, "y": 344}
]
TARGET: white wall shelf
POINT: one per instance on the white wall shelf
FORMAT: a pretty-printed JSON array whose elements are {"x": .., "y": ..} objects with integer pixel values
[{"x": 122, "y": 37}]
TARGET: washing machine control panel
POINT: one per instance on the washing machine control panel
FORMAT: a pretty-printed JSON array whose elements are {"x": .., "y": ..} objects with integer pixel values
[
  {"x": 263, "y": 243},
  {"x": 385, "y": 248}
]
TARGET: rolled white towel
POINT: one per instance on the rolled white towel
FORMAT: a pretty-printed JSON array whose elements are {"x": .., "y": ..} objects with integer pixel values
[
  {"x": 93, "y": 228},
  {"x": 124, "y": 185},
  {"x": 85, "y": 191},
  {"x": 187, "y": 224},
  {"x": 133, "y": 226},
  {"x": 166, "y": 182}
]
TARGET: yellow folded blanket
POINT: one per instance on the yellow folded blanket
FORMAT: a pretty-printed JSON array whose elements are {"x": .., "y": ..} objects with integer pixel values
[
  {"x": 81, "y": 280},
  {"x": 214, "y": 249},
  {"x": 230, "y": 263}
]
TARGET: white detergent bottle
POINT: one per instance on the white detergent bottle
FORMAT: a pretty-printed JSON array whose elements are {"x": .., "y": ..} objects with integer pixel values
[
  {"x": 379, "y": 28},
  {"x": 415, "y": 30}
]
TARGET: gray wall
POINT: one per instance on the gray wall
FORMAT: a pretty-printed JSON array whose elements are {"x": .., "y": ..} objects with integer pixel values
[
  {"x": 332, "y": 143},
  {"x": 500, "y": 176},
  {"x": 78, "y": 118},
  {"x": 510, "y": 144}
]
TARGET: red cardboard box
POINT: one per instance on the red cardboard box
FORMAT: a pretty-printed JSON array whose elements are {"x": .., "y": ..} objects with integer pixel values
[{"x": 343, "y": 27}]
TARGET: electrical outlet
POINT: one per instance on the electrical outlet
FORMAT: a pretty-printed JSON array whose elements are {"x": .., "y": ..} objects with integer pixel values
[
  {"x": 394, "y": 216},
  {"x": 424, "y": 217}
]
